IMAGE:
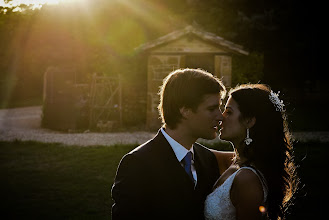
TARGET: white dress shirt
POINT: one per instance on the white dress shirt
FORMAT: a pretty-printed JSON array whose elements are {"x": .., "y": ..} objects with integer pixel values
[{"x": 180, "y": 153}]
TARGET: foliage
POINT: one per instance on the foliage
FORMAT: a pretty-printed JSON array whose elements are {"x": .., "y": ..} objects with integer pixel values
[{"x": 247, "y": 69}]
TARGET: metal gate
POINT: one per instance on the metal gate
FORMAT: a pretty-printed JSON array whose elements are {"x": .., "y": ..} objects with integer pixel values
[{"x": 105, "y": 103}]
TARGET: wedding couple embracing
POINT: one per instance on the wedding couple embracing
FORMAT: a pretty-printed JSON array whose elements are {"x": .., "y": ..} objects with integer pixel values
[{"x": 173, "y": 177}]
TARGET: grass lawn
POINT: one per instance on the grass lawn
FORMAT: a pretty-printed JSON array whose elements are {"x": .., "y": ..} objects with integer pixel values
[{"x": 52, "y": 181}]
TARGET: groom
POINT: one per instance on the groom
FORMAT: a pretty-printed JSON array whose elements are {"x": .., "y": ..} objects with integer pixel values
[{"x": 170, "y": 176}]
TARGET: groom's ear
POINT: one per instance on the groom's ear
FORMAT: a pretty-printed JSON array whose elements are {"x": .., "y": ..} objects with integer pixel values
[{"x": 184, "y": 112}]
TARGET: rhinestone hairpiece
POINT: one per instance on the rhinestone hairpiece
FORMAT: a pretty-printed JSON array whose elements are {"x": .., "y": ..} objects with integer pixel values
[{"x": 274, "y": 98}]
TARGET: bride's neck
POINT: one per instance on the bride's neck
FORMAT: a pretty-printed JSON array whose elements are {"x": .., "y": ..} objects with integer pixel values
[{"x": 241, "y": 159}]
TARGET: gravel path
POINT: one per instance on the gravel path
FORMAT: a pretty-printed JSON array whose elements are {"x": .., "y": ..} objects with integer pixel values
[{"x": 24, "y": 124}]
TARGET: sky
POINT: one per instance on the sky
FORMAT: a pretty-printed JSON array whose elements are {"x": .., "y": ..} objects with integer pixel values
[
  {"x": 15, "y": 3},
  {"x": 33, "y": 4}
]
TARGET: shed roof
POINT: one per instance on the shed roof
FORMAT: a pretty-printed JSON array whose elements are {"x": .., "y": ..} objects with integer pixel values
[{"x": 206, "y": 36}]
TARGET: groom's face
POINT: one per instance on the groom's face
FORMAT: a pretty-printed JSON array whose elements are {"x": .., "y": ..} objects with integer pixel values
[{"x": 204, "y": 121}]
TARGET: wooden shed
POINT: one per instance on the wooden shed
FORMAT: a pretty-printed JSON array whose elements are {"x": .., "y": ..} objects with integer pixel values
[{"x": 184, "y": 48}]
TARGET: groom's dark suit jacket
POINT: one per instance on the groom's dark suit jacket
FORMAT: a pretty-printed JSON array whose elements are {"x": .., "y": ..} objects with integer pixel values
[{"x": 151, "y": 183}]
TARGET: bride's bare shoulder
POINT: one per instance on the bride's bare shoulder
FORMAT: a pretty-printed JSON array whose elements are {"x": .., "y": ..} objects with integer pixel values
[{"x": 246, "y": 189}]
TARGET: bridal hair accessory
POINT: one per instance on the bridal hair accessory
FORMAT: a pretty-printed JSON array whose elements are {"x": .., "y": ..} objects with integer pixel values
[
  {"x": 247, "y": 140},
  {"x": 278, "y": 104}
]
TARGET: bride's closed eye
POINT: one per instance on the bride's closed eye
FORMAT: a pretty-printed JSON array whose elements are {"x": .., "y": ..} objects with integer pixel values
[{"x": 227, "y": 111}]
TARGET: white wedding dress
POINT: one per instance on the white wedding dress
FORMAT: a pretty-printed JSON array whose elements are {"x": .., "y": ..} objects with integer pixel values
[{"x": 218, "y": 204}]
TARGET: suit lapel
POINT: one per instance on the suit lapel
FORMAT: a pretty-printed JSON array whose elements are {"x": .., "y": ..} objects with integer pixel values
[
  {"x": 169, "y": 165},
  {"x": 200, "y": 166},
  {"x": 198, "y": 163},
  {"x": 206, "y": 169}
]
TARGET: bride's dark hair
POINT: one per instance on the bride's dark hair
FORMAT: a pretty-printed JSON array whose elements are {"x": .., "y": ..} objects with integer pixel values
[{"x": 271, "y": 150}]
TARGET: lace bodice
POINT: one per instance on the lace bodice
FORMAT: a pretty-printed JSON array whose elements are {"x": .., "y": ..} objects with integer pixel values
[{"x": 218, "y": 204}]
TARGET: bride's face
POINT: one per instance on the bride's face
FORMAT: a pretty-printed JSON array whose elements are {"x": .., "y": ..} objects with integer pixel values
[{"x": 231, "y": 128}]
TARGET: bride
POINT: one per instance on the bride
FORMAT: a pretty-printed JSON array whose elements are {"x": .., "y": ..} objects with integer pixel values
[{"x": 262, "y": 178}]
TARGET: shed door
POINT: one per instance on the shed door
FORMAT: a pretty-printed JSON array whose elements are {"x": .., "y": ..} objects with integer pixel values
[{"x": 203, "y": 61}]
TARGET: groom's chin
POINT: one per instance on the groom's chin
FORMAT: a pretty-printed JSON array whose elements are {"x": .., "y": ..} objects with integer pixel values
[{"x": 211, "y": 137}]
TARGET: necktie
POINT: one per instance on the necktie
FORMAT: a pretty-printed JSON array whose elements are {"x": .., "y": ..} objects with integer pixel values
[{"x": 187, "y": 164}]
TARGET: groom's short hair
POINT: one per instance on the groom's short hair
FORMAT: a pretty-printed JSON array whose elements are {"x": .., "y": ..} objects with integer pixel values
[{"x": 186, "y": 88}]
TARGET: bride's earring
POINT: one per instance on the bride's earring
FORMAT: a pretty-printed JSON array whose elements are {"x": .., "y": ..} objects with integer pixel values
[{"x": 247, "y": 140}]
